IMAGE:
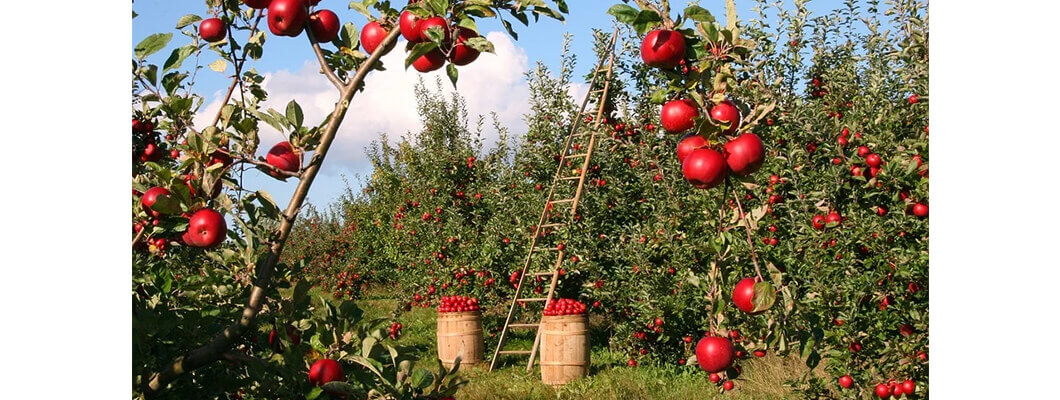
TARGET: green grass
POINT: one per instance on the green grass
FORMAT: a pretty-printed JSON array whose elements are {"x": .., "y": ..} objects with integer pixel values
[{"x": 609, "y": 378}]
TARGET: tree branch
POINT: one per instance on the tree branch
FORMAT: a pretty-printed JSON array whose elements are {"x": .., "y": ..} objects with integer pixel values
[
  {"x": 339, "y": 84},
  {"x": 224, "y": 340}
]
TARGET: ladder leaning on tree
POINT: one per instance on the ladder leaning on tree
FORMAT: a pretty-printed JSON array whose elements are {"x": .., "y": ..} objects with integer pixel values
[{"x": 603, "y": 70}]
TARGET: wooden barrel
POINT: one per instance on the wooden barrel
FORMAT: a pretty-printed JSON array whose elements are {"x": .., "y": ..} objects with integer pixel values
[
  {"x": 460, "y": 334},
  {"x": 564, "y": 348}
]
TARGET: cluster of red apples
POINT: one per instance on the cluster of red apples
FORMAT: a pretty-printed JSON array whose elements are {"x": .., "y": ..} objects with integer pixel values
[
  {"x": 458, "y": 304},
  {"x": 703, "y": 166},
  {"x": 206, "y": 228},
  {"x": 415, "y": 30},
  {"x": 564, "y": 307},
  {"x": 291, "y": 17}
]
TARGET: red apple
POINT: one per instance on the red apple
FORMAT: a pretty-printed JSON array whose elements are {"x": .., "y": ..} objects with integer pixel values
[
  {"x": 432, "y": 22},
  {"x": 704, "y": 168},
  {"x": 287, "y": 17},
  {"x": 834, "y": 217},
  {"x": 212, "y": 30},
  {"x": 714, "y": 377},
  {"x": 283, "y": 157},
  {"x": 727, "y": 113},
  {"x": 372, "y": 35},
  {"x": 909, "y": 386},
  {"x": 663, "y": 48},
  {"x": 325, "y": 25},
  {"x": 745, "y": 154},
  {"x": 689, "y": 143},
  {"x": 409, "y": 26},
  {"x": 714, "y": 353},
  {"x": 431, "y": 61},
  {"x": 258, "y": 4},
  {"x": 846, "y": 381},
  {"x": 863, "y": 151},
  {"x": 150, "y": 197},
  {"x": 883, "y": 391},
  {"x": 873, "y": 160},
  {"x": 206, "y": 228},
  {"x": 920, "y": 210},
  {"x": 324, "y": 371},
  {"x": 743, "y": 295},
  {"x": 728, "y": 385},
  {"x": 463, "y": 54},
  {"x": 818, "y": 222},
  {"x": 678, "y": 115},
  {"x": 220, "y": 157}
]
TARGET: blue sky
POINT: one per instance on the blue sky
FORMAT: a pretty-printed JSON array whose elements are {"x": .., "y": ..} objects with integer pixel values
[{"x": 291, "y": 65}]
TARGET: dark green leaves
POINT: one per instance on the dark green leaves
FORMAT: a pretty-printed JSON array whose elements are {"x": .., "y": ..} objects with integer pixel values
[
  {"x": 418, "y": 51},
  {"x": 623, "y": 13},
  {"x": 698, "y": 14},
  {"x": 152, "y": 44},
  {"x": 177, "y": 57},
  {"x": 645, "y": 21},
  {"x": 294, "y": 114},
  {"x": 450, "y": 70}
]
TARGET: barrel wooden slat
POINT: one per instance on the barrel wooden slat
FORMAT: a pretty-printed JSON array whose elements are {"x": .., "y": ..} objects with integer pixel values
[
  {"x": 564, "y": 348},
  {"x": 460, "y": 334}
]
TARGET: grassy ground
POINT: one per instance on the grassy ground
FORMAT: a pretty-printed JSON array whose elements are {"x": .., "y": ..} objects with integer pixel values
[{"x": 609, "y": 378}]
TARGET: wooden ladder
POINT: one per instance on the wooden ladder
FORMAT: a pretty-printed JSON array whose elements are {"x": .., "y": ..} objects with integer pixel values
[{"x": 603, "y": 69}]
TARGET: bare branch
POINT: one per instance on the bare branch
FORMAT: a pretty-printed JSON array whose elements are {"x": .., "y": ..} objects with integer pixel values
[{"x": 328, "y": 72}]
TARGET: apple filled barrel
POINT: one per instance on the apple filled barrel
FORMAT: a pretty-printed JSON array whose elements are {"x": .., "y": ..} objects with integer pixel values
[
  {"x": 564, "y": 342},
  {"x": 460, "y": 331}
]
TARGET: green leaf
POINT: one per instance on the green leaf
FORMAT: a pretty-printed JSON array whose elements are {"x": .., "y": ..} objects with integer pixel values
[
  {"x": 623, "y": 13},
  {"x": 177, "y": 57},
  {"x": 450, "y": 70},
  {"x": 361, "y": 8},
  {"x": 418, "y": 51},
  {"x": 646, "y": 20},
  {"x": 152, "y": 44},
  {"x": 294, "y": 113},
  {"x": 166, "y": 204},
  {"x": 481, "y": 44},
  {"x": 435, "y": 34},
  {"x": 699, "y": 14},
  {"x": 421, "y": 378},
  {"x": 151, "y": 73},
  {"x": 188, "y": 20},
  {"x": 342, "y": 388},
  {"x": 764, "y": 296},
  {"x": 348, "y": 36},
  {"x": 300, "y": 290}
]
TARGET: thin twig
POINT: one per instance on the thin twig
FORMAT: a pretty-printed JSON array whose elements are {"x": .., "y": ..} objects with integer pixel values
[
  {"x": 237, "y": 80},
  {"x": 339, "y": 84},
  {"x": 747, "y": 224}
]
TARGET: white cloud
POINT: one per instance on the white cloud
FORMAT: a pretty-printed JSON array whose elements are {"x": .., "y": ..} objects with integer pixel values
[{"x": 493, "y": 83}]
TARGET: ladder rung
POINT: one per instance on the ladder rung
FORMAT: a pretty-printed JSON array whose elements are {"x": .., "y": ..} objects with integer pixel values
[
  {"x": 514, "y": 352},
  {"x": 576, "y": 155},
  {"x": 545, "y": 249},
  {"x": 543, "y": 273},
  {"x": 523, "y": 325},
  {"x": 561, "y": 201},
  {"x": 571, "y": 178},
  {"x": 553, "y": 225},
  {"x": 534, "y": 299}
]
